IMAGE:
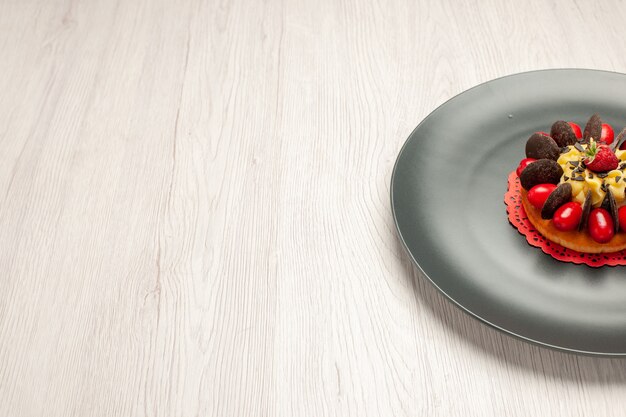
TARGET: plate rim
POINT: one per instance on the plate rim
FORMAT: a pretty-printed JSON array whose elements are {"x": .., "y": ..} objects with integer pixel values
[{"x": 432, "y": 282}]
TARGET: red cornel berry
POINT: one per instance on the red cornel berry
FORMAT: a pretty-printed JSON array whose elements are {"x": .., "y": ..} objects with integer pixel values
[
  {"x": 523, "y": 164},
  {"x": 567, "y": 217},
  {"x": 600, "y": 225},
  {"x": 538, "y": 195},
  {"x": 607, "y": 135},
  {"x": 576, "y": 129},
  {"x": 621, "y": 215}
]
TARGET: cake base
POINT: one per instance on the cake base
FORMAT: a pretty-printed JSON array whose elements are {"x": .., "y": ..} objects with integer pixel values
[
  {"x": 578, "y": 241},
  {"x": 519, "y": 219}
]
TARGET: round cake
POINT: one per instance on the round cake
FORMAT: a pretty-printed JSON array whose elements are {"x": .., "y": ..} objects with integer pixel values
[{"x": 573, "y": 186}]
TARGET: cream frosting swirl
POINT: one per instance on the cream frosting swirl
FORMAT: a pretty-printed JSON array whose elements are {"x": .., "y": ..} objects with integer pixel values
[{"x": 583, "y": 180}]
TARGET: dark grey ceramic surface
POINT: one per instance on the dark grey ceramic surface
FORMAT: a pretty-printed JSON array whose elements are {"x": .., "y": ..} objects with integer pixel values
[{"x": 447, "y": 194}]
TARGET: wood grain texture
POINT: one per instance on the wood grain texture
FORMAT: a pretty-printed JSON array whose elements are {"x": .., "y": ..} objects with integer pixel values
[{"x": 195, "y": 217}]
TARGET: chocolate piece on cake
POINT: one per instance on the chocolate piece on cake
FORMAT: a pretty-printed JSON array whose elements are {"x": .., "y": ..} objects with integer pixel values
[
  {"x": 586, "y": 210},
  {"x": 593, "y": 129},
  {"x": 561, "y": 195},
  {"x": 563, "y": 134},
  {"x": 542, "y": 171},
  {"x": 542, "y": 147}
]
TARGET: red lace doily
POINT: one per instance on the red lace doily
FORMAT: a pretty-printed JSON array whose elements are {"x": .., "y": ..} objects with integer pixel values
[{"x": 518, "y": 218}]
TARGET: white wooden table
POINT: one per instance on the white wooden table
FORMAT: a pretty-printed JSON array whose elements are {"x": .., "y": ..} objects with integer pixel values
[{"x": 195, "y": 217}]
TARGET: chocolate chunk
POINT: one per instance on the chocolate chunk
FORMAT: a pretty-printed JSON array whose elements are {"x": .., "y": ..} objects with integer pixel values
[
  {"x": 610, "y": 205},
  {"x": 586, "y": 210},
  {"x": 563, "y": 134},
  {"x": 565, "y": 178},
  {"x": 593, "y": 129},
  {"x": 574, "y": 163},
  {"x": 617, "y": 179},
  {"x": 541, "y": 147},
  {"x": 542, "y": 171},
  {"x": 622, "y": 165},
  {"x": 590, "y": 176},
  {"x": 606, "y": 204},
  {"x": 578, "y": 178},
  {"x": 602, "y": 174},
  {"x": 561, "y": 195},
  {"x": 579, "y": 147},
  {"x": 617, "y": 143}
]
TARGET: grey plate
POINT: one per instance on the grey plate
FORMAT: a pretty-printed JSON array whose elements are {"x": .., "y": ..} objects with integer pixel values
[{"x": 447, "y": 194}]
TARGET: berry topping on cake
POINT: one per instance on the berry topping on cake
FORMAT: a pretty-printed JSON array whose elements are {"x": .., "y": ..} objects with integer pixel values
[
  {"x": 600, "y": 157},
  {"x": 601, "y": 225},
  {"x": 539, "y": 194},
  {"x": 621, "y": 214},
  {"x": 576, "y": 129},
  {"x": 607, "y": 134},
  {"x": 523, "y": 164},
  {"x": 568, "y": 216}
]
